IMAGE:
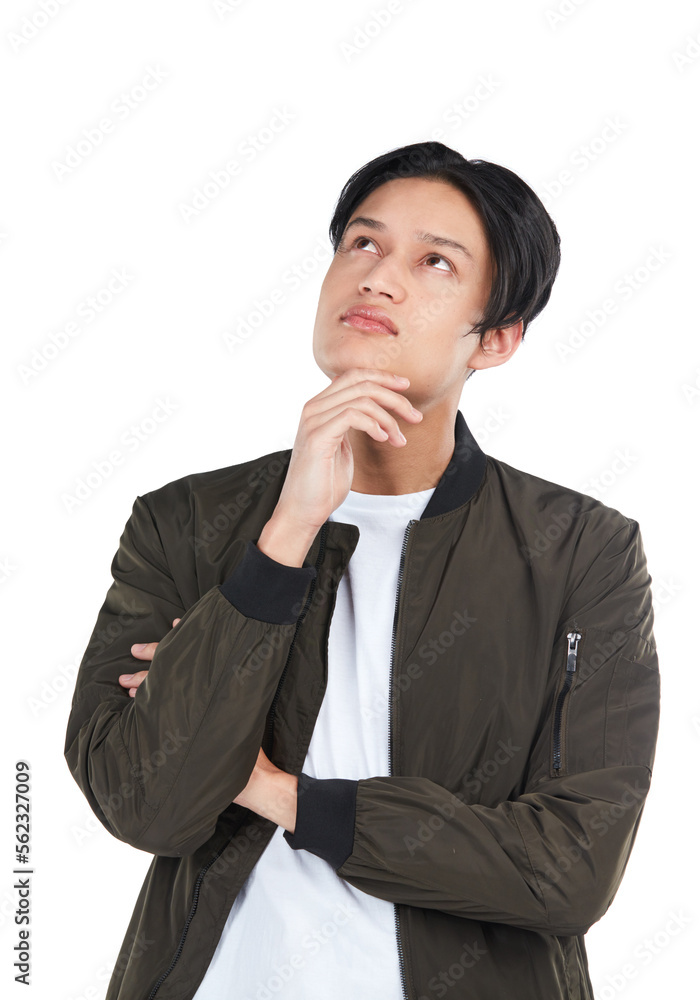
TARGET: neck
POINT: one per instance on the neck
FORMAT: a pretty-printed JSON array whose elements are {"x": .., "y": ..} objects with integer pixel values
[{"x": 383, "y": 468}]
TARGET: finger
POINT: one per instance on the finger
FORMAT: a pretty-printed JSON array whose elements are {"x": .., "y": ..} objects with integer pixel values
[
  {"x": 147, "y": 653},
  {"x": 133, "y": 690},
  {"x": 355, "y": 376},
  {"x": 175, "y": 621},
  {"x": 133, "y": 680},
  {"x": 366, "y": 391},
  {"x": 367, "y": 414}
]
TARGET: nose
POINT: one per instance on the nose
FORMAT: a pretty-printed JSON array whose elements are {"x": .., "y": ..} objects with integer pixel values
[{"x": 382, "y": 279}]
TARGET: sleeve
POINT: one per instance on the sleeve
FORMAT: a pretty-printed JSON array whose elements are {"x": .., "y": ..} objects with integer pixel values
[
  {"x": 158, "y": 769},
  {"x": 552, "y": 858}
]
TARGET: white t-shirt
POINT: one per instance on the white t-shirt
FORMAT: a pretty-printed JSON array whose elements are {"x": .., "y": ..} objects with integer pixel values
[{"x": 297, "y": 930}]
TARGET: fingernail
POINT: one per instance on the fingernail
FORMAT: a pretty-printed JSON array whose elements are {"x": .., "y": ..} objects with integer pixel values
[
  {"x": 401, "y": 378},
  {"x": 125, "y": 677},
  {"x": 139, "y": 646}
]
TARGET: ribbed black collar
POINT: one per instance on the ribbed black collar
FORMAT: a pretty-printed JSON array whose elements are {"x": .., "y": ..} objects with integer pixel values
[{"x": 463, "y": 475}]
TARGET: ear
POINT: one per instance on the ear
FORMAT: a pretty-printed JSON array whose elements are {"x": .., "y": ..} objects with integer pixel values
[{"x": 499, "y": 344}]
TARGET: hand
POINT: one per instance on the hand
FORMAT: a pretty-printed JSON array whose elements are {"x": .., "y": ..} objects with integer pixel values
[
  {"x": 271, "y": 793},
  {"x": 132, "y": 681},
  {"x": 321, "y": 468}
]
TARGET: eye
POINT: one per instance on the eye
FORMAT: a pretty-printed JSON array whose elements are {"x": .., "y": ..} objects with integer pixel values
[
  {"x": 437, "y": 256},
  {"x": 432, "y": 256},
  {"x": 360, "y": 239}
]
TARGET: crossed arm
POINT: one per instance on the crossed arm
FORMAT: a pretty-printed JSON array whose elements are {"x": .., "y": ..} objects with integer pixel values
[
  {"x": 270, "y": 792},
  {"x": 491, "y": 862}
]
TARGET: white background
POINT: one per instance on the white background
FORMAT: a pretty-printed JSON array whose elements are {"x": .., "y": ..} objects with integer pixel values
[{"x": 566, "y": 413}]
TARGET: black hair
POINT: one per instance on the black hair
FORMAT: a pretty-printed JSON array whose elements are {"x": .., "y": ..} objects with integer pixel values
[{"x": 522, "y": 238}]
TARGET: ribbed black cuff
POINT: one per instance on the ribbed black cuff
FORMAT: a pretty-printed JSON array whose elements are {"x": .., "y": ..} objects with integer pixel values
[
  {"x": 262, "y": 588},
  {"x": 325, "y": 824}
]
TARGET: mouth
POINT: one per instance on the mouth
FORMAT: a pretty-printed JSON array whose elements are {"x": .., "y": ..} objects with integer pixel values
[{"x": 370, "y": 320}]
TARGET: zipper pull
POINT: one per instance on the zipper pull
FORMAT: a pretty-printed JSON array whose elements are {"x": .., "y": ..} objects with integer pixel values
[{"x": 574, "y": 638}]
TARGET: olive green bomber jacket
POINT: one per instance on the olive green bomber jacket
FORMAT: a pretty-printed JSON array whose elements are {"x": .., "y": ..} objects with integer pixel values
[{"x": 523, "y": 712}]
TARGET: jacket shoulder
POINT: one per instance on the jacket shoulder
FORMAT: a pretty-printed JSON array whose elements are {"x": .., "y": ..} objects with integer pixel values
[
  {"x": 544, "y": 499},
  {"x": 207, "y": 489},
  {"x": 201, "y": 519},
  {"x": 591, "y": 554}
]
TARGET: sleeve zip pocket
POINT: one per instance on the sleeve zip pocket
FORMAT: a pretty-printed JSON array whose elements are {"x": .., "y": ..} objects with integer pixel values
[{"x": 559, "y": 732}]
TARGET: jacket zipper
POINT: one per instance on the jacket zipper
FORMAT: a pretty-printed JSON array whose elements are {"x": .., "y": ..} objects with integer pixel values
[
  {"x": 268, "y": 735},
  {"x": 190, "y": 915},
  {"x": 571, "y": 654},
  {"x": 391, "y": 728}
]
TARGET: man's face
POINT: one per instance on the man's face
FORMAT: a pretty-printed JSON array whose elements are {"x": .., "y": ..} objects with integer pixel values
[{"x": 432, "y": 293}]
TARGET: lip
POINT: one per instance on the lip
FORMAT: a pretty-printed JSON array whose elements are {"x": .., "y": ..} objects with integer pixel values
[{"x": 370, "y": 319}]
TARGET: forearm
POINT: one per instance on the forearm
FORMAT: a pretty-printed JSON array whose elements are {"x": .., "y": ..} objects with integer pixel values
[{"x": 538, "y": 862}]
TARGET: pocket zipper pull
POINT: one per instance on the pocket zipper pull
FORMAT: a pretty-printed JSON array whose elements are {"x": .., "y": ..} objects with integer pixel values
[
  {"x": 574, "y": 638},
  {"x": 572, "y": 650}
]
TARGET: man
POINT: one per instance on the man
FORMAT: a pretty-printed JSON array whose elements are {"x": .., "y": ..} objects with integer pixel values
[{"x": 399, "y": 739}]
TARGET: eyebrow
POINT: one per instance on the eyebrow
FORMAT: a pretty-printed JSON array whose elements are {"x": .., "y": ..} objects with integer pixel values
[{"x": 438, "y": 241}]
